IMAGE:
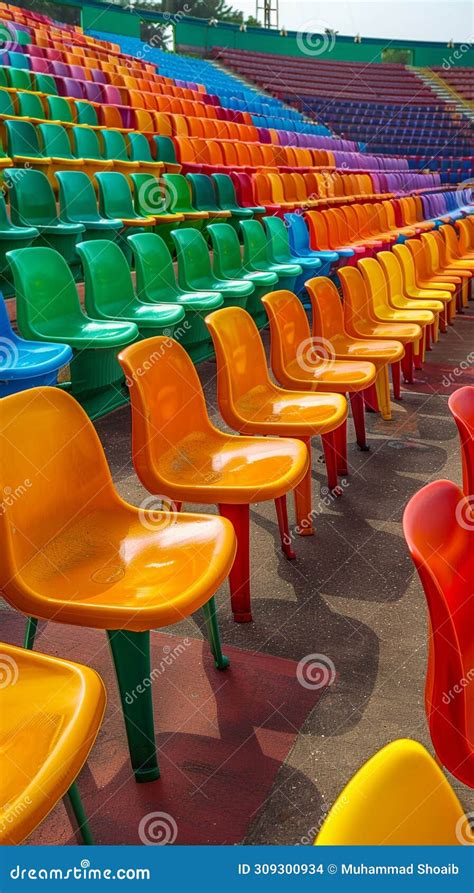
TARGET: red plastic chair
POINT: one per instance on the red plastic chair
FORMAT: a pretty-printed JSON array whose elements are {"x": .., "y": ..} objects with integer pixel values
[
  {"x": 439, "y": 529},
  {"x": 461, "y": 404}
]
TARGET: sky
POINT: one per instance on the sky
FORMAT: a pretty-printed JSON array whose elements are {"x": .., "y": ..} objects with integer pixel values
[{"x": 418, "y": 20}]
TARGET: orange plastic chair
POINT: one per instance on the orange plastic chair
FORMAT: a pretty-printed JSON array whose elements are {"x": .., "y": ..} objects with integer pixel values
[
  {"x": 74, "y": 552},
  {"x": 251, "y": 404},
  {"x": 177, "y": 451},
  {"x": 361, "y": 320},
  {"x": 393, "y": 272},
  {"x": 417, "y": 282},
  {"x": 297, "y": 364},
  {"x": 400, "y": 797},
  {"x": 465, "y": 230},
  {"x": 455, "y": 259},
  {"x": 51, "y": 712},
  {"x": 439, "y": 529},
  {"x": 461, "y": 404},
  {"x": 329, "y": 328}
]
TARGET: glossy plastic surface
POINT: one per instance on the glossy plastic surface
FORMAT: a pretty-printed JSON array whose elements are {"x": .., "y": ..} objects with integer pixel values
[{"x": 461, "y": 404}]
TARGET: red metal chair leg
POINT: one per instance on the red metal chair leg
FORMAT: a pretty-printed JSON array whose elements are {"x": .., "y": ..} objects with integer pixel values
[
  {"x": 407, "y": 364},
  {"x": 370, "y": 399},
  {"x": 396, "y": 376},
  {"x": 239, "y": 577},
  {"x": 303, "y": 499},
  {"x": 282, "y": 515},
  {"x": 330, "y": 447},
  {"x": 358, "y": 417}
]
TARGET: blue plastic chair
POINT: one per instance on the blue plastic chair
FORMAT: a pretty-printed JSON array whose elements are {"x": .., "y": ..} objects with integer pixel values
[
  {"x": 27, "y": 364},
  {"x": 298, "y": 236}
]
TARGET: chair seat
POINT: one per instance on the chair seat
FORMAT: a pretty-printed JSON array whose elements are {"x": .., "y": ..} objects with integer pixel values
[
  {"x": 214, "y": 467},
  {"x": 385, "y": 351},
  {"x": 148, "y": 315},
  {"x": 18, "y": 233},
  {"x": 279, "y": 269},
  {"x": 403, "y": 332},
  {"x": 279, "y": 411},
  {"x": 341, "y": 375},
  {"x": 202, "y": 300},
  {"x": 259, "y": 278},
  {"x": 60, "y": 228},
  {"x": 236, "y": 287},
  {"x": 120, "y": 567},
  {"x": 49, "y": 719},
  {"x": 83, "y": 332},
  {"x": 31, "y": 358}
]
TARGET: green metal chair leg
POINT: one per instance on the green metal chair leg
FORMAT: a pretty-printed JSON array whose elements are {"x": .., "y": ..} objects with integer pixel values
[
  {"x": 212, "y": 624},
  {"x": 131, "y": 655},
  {"x": 30, "y": 633},
  {"x": 74, "y": 798}
]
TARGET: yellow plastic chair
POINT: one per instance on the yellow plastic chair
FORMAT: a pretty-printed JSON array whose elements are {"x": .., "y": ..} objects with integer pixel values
[
  {"x": 418, "y": 281},
  {"x": 395, "y": 287},
  {"x": 50, "y": 714},
  {"x": 436, "y": 252},
  {"x": 377, "y": 290},
  {"x": 400, "y": 797},
  {"x": 328, "y": 328},
  {"x": 251, "y": 404},
  {"x": 74, "y": 552},
  {"x": 177, "y": 451},
  {"x": 297, "y": 363},
  {"x": 361, "y": 320}
]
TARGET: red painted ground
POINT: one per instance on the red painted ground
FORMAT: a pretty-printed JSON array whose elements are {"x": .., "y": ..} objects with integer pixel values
[{"x": 222, "y": 738}]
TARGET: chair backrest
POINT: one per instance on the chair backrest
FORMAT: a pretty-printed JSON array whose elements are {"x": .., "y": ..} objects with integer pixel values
[
  {"x": 114, "y": 145},
  {"x": 194, "y": 264},
  {"x": 203, "y": 195},
  {"x": 393, "y": 272},
  {"x": 376, "y": 287},
  {"x": 240, "y": 355},
  {"x": 30, "y": 105},
  {"x": 45, "y": 83},
  {"x": 298, "y": 234},
  {"x": 318, "y": 231},
  {"x": 225, "y": 191},
  {"x": 139, "y": 147},
  {"x": 326, "y": 306},
  {"x": 461, "y": 404},
  {"x": 107, "y": 278},
  {"x": 22, "y": 139},
  {"x": 76, "y": 197},
  {"x": 439, "y": 530},
  {"x": 59, "y": 109},
  {"x": 62, "y": 474},
  {"x": 31, "y": 197},
  {"x": 86, "y": 143},
  {"x": 255, "y": 242},
  {"x": 86, "y": 113},
  {"x": 165, "y": 149},
  {"x": 412, "y": 258},
  {"x": 357, "y": 303},
  {"x": 289, "y": 330},
  {"x": 155, "y": 280},
  {"x": 399, "y": 797},
  {"x": 227, "y": 262},
  {"x": 167, "y": 404},
  {"x": 278, "y": 246},
  {"x": 6, "y": 103},
  {"x": 115, "y": 198},
  {"x": 179, "y": 192},
  {"x": 55, "y": 140},
  {"x": 45, "y": 292}
]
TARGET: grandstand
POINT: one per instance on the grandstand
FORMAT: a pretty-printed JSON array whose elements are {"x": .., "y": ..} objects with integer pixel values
[{"x": 236, "y": 359}]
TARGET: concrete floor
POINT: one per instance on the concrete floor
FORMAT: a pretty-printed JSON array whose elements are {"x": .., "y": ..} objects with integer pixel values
[{"x": 351, "y": 596}]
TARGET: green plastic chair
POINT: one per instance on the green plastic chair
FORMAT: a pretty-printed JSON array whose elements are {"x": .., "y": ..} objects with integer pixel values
[
  {"x": 86, "y": 113},
  {"x": 56, "y": 146},
  {"x": 227, "y": 264},
  {"x": 165, "y": 152},
  {"x": 45, "y": 83},
  {"x": 49, "y": 309},
  {"x": 115, "y": 202},
  {"x": 256, "y": 256},
  {"x": 150, "y": 198},
  {"x": 20, "y": 79},
  {"x": 109, "y": 292},
  {"x": 11, "y": 237},
  {"x": 87, "y": 146},
  {"x": 18, "y": 60},
  {"x": 32, "y": 203},
  {"x": 7, "y": 107},
  {"x": 278, "y": 247},
  {"x": 227, "y": 199},
  {"x": 115, "y": 149},
  {"x": 156, "y": 283},
  {"x": 140, "y": 152},
  {"x": 179, "y": 198},
  {"x": 195, "y": 274},
  {"x": 204, "y": 198},
  {"x": 4, "y": 82},
  {"x": 24, "y": 148},
  {"x": 30, "y": 106},
  {"x": 78, "y": 204},
  {"x": 59, "y": 109}
]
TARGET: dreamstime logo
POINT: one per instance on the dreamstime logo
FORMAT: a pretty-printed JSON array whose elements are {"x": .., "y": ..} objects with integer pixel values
[
  {"x": 464, "y": 830},
  {"x": 157, "y": 512},
  {"x": 8, "y": 353},
  {"x": 316, "y": 671},
  {"x": 8, "y": 671},
  {"x": 315, "y": 38},
  {"x": 157, "y": 196},
  {"x": 312, "y": 350},
  {"x": 157, "y": 829},
  {"x": 465, "y": 513},
  {"x": 8, "y": 36}
]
